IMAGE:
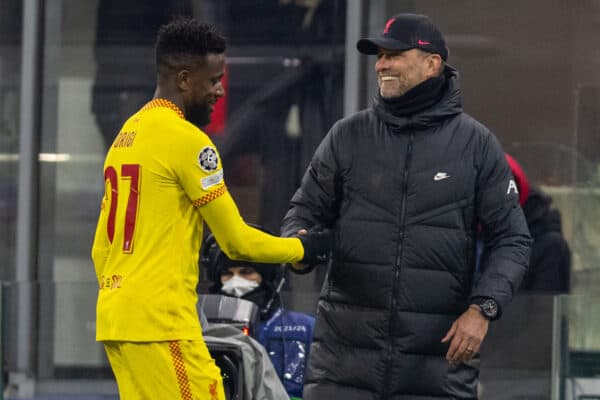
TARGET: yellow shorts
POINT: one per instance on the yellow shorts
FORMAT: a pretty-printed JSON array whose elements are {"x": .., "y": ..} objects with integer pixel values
[{"x": 165, "y": 370}]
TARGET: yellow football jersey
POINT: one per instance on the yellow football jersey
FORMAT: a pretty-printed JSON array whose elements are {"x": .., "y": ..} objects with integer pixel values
[
  {"x": 158, "y": 170},
  {"x": 162, "y": 175}
]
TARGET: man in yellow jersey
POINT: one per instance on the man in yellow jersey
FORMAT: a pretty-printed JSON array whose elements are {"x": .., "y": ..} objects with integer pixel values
[{"x": 163, "y": 179}]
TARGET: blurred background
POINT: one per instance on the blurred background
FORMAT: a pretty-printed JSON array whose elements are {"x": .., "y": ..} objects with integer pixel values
[{"x": 72, "y": 71}]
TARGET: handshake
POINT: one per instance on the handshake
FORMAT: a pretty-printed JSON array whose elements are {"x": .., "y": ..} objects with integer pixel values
[{"x": 317, "y": 246}]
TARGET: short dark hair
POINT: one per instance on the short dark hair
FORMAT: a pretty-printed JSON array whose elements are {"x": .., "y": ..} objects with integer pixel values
[{"x": 181, "y": 41}]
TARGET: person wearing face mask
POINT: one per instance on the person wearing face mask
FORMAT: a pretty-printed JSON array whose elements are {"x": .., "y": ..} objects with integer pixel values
[
  {"x": 286, "y": 335},
  {"x": 249, "y": 281},
  {"x": 236, "y": 285}
]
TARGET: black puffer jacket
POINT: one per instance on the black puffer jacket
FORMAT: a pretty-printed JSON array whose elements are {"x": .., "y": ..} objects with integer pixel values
[{"x": 403, "y": 197}]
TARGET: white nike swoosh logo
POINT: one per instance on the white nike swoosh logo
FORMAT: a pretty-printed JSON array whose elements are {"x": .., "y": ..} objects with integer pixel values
[{"x": 440, "y": 175}]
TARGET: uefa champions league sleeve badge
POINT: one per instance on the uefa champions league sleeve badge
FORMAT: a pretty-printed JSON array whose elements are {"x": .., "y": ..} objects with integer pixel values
[{"x": 208, "y": 159}]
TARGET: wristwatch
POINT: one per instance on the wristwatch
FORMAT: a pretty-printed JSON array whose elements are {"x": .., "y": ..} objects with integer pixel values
[{"x": 489, "y": 308}]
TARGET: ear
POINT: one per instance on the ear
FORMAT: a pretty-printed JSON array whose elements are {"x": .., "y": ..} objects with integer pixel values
[
  {"x": 184, "y": 80},
  {"x": 434, "y": 65}
]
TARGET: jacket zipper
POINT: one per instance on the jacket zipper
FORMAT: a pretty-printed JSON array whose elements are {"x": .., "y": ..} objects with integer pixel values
[{"x": 399, "y": 250}]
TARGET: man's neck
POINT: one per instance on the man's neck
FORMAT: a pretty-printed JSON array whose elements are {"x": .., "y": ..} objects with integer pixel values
[{"x": 174, "y": 98}]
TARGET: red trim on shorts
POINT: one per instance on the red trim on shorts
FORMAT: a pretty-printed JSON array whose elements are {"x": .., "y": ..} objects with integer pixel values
[{"x": 180, "y": 371}]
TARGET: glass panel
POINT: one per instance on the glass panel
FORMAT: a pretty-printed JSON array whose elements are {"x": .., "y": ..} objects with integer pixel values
[
  {"x": 585, "y": 198},
  {"x": 70, "y": 185},
  {"x": 516, "y": 356},
  {"x": 577, "y": 348},
  {"x": 80, "y": 366},
  {"x": 10, "y": 75}
]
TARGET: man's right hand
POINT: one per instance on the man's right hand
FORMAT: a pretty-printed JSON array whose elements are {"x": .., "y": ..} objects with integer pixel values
[{"x": 298, "y": 267}]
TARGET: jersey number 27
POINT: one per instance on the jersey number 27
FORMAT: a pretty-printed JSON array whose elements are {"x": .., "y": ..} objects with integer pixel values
[{"x": 129, "y": 172}]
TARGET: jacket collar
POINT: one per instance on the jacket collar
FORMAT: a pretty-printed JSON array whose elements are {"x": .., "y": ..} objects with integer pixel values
[{"x": 449, "y": 105}]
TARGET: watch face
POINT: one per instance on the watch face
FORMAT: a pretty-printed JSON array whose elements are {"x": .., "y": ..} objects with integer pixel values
[{"x": 489, "y": 308}]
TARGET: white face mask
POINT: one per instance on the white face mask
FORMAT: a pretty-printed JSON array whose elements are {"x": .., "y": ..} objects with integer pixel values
[{"x": 237, "y": 286}]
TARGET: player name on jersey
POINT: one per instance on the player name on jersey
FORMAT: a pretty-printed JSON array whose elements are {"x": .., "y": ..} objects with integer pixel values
[{"x": 124, "y": 139}]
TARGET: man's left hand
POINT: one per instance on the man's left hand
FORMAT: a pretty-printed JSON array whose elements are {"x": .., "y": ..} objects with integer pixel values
[{"x": 466, "y": 335}]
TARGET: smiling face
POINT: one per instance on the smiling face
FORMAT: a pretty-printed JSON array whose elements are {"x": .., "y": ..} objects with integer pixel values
[
  {"x": 398, "y": 71},
  {"x": 202, "y": 87}
]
